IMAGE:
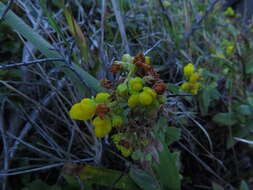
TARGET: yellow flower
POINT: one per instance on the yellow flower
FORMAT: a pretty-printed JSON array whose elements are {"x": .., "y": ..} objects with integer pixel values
[
  {"x": 195, "y": 85},
  {"x": 102, "y": 126},
  {"x": 122, "y": 89},
  {"x": 84, "y": 110},
  {"x": 76, "y": 112},
  {"x": 117, "y": 121},
  {"x": 102, "y": 97},
  {"x": 194, "y": 91},
  {"x": 185, "y": 86},
  {"x": 136, "y": 84},
  {"x": 194, "y": 77},
  {"x": 150, "y": 91},
  {"x": 145, "y": 98},
  {"x": 229, "y": 12},
  {"x": 188, "y": 69},
  {"x": 133, "y": 100}
]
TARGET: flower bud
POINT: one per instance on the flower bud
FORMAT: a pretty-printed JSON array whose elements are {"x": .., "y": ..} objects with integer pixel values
[
  {"x": 102, "y": 127},
  {"x": 102, "y": 97},
  {"x": 76, "y": 112},
  {"x": 122, "y": 89},
  {"x": 194, "y": 77},
  {"x": 88, "y": 107},
  {"x": 145, "y": 98},
  {"x": 136, "y": 84},
  {"x": 188, "y": 69},
  {"x": 133, "y": 100}
]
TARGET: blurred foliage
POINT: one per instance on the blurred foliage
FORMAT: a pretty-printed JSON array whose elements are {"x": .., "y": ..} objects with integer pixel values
[{"x": 170, "y": 34}]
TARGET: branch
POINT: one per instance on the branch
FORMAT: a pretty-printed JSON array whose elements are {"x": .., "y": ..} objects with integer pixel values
[
  {"x": 8, "y": 66},
  {"x": 199, "y": 20}
]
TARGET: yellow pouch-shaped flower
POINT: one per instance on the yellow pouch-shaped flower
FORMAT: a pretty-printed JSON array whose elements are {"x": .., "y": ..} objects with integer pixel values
[
  {"x": 194, "y": 77},
  {"x": 150, "y": 91},
  {"x": 185, "y": 86},
  {"x": 76, "y": 112},
  {"x": 88, "y": 108},
  {"x": 136, "y": 84},
  {"x": 189, "y": 69},
  {"x": 145, "y": 98},
  {"x": 102, "y": 97},
  {"x": 133, "y": 100},
  {"x": 102, "y": 127}
]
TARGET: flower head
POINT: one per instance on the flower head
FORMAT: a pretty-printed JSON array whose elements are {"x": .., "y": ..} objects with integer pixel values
[
  {"x": 122, "y": 89},
  {"x": 189, "y": 69},
  {"x": 102, "y": 126},
  {"x": 145, "y": 98},
  {"x": 136, "y": 84},
  {"x": 102, "y": 97},
  {"x": 194, "y": 77},
  {"x": 150, "y": 91},
  {"x": 185, "y": 86},
  {"x": 133, "y": 100},
  {"x": 76, "y": 112}
]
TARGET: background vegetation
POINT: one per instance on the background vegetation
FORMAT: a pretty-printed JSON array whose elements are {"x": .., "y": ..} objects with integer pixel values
[{"x": 53, "y": 54}]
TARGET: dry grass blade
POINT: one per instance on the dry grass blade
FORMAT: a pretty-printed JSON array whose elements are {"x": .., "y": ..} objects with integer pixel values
[{"x": 121, "y": 25}]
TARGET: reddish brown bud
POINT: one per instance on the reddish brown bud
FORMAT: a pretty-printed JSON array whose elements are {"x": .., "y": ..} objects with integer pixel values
[
  {"x": 115, "y": 68},
  {"x": 159, "y": 87},
  {"x": 102, "y": 110},
  {"x": 139, "y": 58}
]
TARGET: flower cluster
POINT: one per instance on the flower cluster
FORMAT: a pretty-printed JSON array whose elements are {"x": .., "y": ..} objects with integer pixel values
[
  {"x": 130, "y": 106},
  {"x": 192, "y": 85},
  {"x": 98, "y": 110}
]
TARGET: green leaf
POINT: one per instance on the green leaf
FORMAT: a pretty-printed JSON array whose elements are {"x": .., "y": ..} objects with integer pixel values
[
  {"x": 144, "y": 180},
  {"x": 167, "y": 171},
  {"x": 244, "y": 186},
  {"x": 216, "y": 186},
  {"x": 244, "y": 109},
  {"x": 107, "y": 177},
  {"x": 173, "y": 134},
  {"x": 226, "y": 119},
  {"x": 17, "y": 24},
  {"x": 249, "y": 66},
  {"x": 207, "y": 95}
]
